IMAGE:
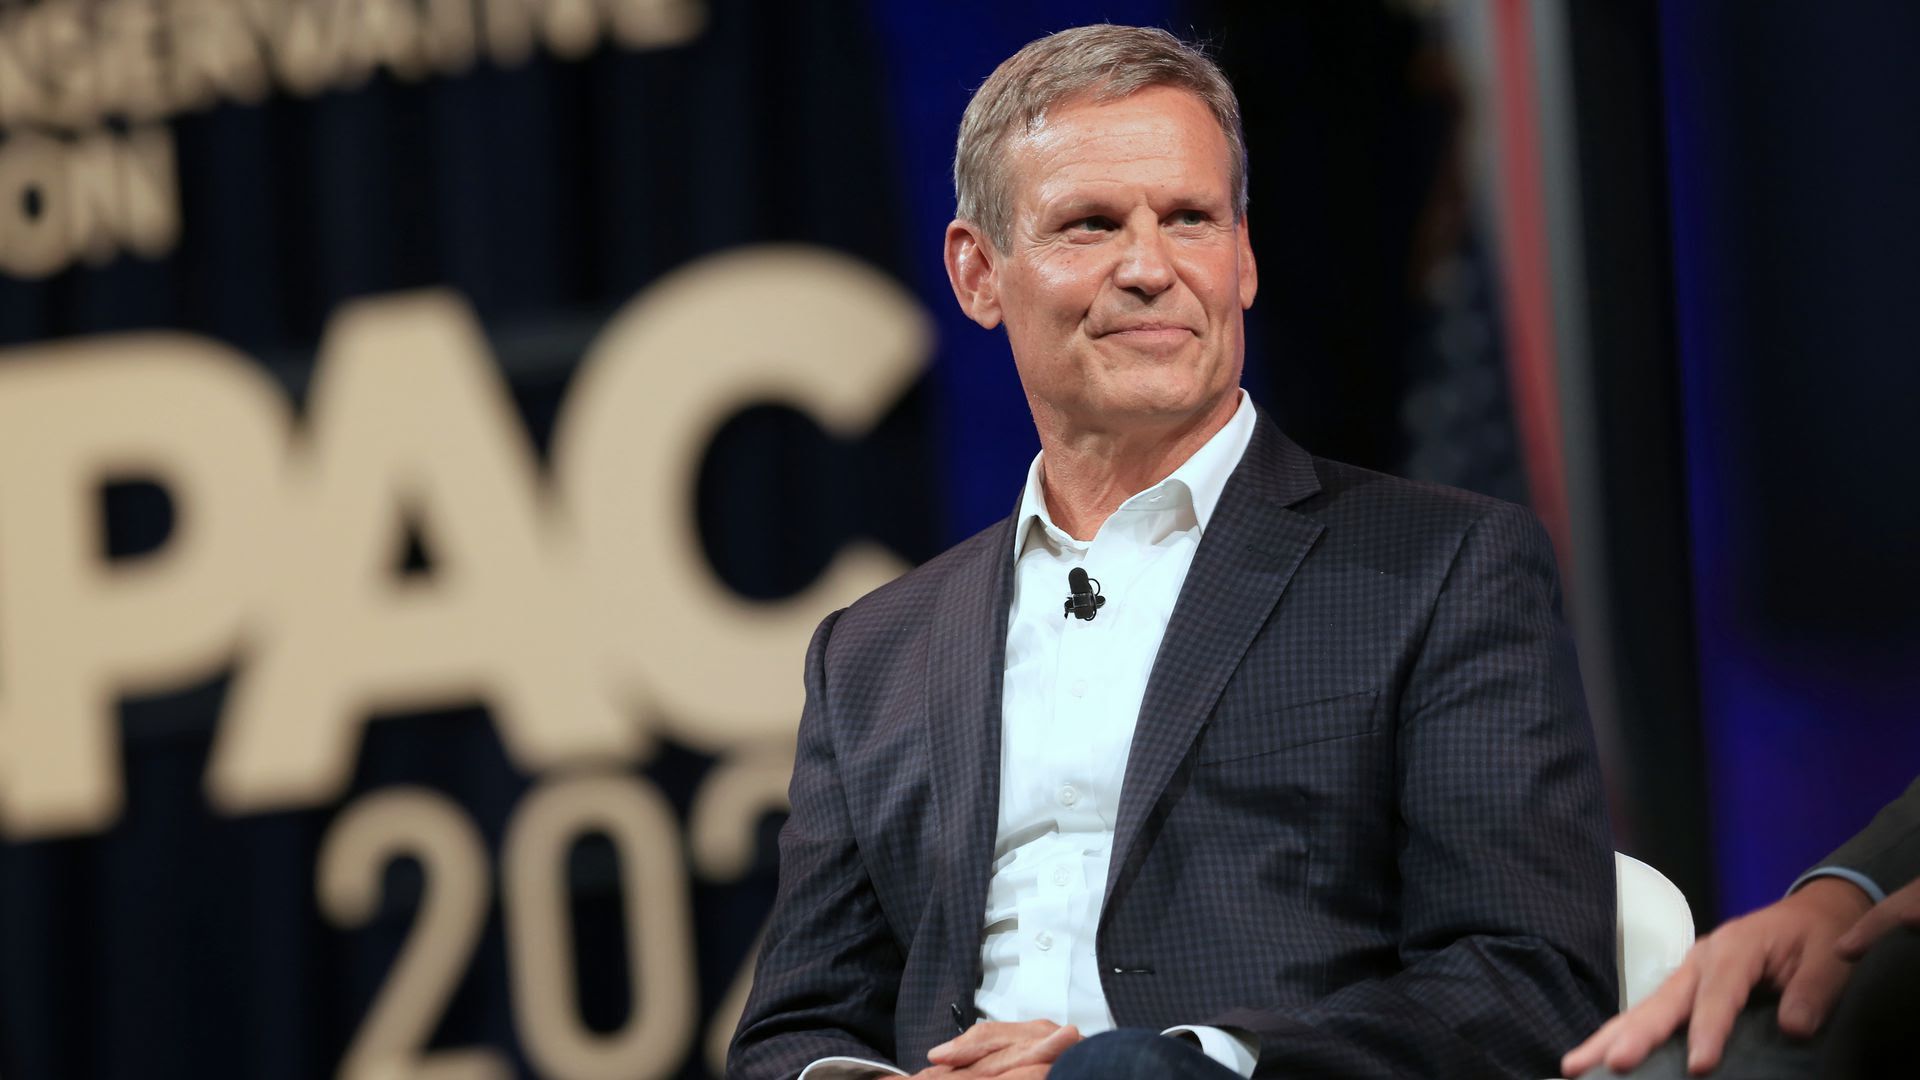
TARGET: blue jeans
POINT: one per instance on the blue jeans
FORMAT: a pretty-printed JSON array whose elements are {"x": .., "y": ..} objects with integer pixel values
[{"x": 1137, "y": 1054}]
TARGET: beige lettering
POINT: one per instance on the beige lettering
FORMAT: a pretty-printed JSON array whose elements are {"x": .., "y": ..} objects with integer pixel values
[
  {"x": 408, "y": 415},
  {"x": 653, "y": 24},
  {"x": 309, "y": 40},
  {"x": 94, "y": 201},
  {"x": 427, "y": 826},
  {"x": 208, "y": 427},
  {"x": 22, "y": 98},
  {"x": 128, "y": 60},
  {"x": 388, "y": 33},
  {"x": 216, "y": 52},
  {"x": 449, "y": 35},
  {"x": 121, "y": 194},
  {"x": 828, "y": 334},
  {"x": 571, "y": 28},
  {"x": 653, "y": 881},
  {"x": 34, "y": 207},
  {"x": 150, "y": 191},
  {"x": 62, "y": 53}
]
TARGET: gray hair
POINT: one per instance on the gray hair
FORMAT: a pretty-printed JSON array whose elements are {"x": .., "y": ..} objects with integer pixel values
[{"x": 1104, "y": 62}]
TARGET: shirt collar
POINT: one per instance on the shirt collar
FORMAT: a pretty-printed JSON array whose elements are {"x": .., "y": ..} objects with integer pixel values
[{"x": 1201, "y": 479}]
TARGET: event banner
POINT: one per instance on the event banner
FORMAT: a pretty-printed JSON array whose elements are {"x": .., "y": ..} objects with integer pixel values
[{"x": 430, "y": 431}]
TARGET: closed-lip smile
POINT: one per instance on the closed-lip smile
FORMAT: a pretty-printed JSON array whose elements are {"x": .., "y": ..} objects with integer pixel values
[{"x": 1146, "y": 328}]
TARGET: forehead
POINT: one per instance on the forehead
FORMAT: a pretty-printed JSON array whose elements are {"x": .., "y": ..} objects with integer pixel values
[{"x": 1159, "y": 136}]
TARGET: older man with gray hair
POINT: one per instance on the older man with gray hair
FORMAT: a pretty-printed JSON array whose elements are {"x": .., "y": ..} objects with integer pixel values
[{"x": 1216, "y": 758}]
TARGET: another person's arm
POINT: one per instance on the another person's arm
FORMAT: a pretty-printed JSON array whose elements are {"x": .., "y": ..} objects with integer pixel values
[{"x": 1802, "y": 945}]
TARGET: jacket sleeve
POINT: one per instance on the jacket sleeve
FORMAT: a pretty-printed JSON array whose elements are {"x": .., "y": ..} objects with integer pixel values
[
  {"x": 1505, "y": 859},
  {"x": 1888, "y": 850},
  {"x": 829, "y": 968}
]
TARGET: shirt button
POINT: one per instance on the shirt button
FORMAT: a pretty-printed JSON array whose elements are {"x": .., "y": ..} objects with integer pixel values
[
  {"x": 1043, "y": 941},
  {"x": 1068, "y": 796},
  {"x": 1060, "y": 875},
  {"x": 1079, "y": 688}
]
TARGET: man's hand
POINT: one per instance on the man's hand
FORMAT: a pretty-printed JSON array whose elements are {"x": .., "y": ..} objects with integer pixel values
[
  {"x": 1023, "y": 1051},
  {"x": 1790, "y": 944},
  {"x": 1901, "y": 908}
]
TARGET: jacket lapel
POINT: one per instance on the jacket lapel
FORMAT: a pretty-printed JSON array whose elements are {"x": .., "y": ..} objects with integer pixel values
[
  {"x": 965, "y": 670},
  {"x": 1248, "y": 554}
]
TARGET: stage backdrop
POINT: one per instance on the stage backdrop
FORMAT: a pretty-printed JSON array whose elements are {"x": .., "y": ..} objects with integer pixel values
[
  {"x": 1794, "y": 164},
  {"x": 430, "y": 431}
]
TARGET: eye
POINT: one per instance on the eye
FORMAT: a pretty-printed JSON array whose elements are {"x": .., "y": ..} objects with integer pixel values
[
  {"x": 1189, "y": 217},
  {"x": 1093, "y": 223}
]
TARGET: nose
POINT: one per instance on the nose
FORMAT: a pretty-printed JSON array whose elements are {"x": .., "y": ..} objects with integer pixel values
[{"x": 1146, "y": 266}]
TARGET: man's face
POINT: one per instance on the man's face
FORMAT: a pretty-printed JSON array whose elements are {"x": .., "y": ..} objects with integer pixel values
[{"x": 1125, "y": 274}]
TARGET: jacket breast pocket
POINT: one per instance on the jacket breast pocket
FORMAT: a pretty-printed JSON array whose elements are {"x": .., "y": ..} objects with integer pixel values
[{"x": 1233, "y": 738}]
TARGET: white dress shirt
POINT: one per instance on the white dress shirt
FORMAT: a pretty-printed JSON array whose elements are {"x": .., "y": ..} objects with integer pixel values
[{"x": 1069, "y": 702}]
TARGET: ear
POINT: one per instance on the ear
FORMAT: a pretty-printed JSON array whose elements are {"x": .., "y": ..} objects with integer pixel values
[
  {"x": 1249, "y": 272},
  {"x": 970, "y": 270}
]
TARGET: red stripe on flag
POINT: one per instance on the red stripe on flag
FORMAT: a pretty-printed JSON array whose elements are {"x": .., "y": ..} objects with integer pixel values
[{"x": 1527, "y": 273}]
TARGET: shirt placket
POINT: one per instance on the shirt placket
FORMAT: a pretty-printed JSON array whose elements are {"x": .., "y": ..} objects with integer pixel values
[{"x": 1059, "y": 889}]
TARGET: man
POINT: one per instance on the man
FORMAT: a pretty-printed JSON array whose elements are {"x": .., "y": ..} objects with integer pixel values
[
  {"x": 1804, "y": 947},
  {"x": 1300, "y": 775}
]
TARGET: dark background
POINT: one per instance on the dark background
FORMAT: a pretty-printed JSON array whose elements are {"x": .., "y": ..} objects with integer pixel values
[{"x": 1746, "y": 179}]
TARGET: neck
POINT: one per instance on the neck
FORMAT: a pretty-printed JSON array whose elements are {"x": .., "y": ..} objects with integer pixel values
[{"x": 1086, "y": 474}]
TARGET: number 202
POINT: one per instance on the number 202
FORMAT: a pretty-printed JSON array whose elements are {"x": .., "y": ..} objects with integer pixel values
[{"x": 417, "y": 822}]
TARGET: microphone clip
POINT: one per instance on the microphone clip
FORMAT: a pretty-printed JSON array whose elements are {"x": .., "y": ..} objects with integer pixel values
[{"x": 1083, "y": 595}]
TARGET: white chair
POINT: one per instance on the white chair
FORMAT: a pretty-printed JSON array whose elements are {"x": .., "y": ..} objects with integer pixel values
[{"x": 1654, "y": 928}]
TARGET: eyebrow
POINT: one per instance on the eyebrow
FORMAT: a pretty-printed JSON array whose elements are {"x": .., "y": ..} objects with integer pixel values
[
  {"x": 1079, "y": 207},
  {"x": 1086, "y": 206}
]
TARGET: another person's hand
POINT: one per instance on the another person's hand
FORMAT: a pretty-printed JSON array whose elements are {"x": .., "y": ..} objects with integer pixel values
[
  {"x": 1023, "y": 1051},
  {"x": 1789, "y": 944},
  {"x": 1900, "y": 908}
]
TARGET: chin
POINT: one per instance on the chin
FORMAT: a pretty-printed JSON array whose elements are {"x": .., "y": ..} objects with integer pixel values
[
  {"x": 1157, "y": 404},
  {"x": 1180, "y": 393}
]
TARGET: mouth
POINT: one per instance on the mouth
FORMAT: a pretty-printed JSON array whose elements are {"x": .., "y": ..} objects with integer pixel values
[{"x": 1151, "y": 336}]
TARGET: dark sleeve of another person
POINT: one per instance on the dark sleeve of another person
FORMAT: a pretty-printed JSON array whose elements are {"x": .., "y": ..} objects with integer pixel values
[{"x": 1888, "y": 849}]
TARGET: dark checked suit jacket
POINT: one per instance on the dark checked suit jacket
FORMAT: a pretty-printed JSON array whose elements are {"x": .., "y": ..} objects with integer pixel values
[{"x": 1361, "y": 818}]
